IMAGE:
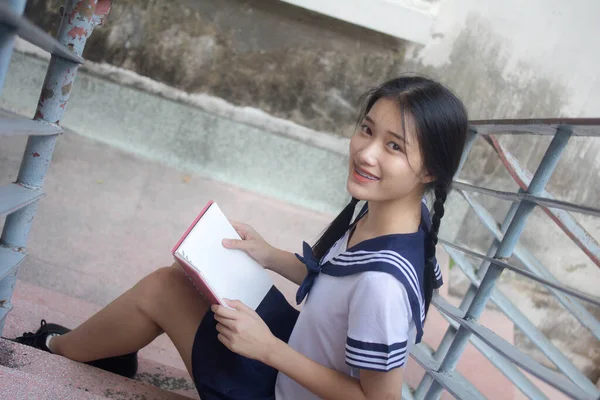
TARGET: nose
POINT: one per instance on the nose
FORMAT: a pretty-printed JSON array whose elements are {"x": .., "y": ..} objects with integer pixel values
[{"x": 368, "y": 155}]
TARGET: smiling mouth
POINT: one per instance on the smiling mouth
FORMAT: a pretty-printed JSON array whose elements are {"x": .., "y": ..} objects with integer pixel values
[{"x": 364, "y": 174}]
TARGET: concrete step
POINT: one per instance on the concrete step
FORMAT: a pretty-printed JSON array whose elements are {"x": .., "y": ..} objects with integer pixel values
[
  {"x": 15, "y": 384},
  {"x": 36, "y": 369},
  {"x": 159, "y": 363}
]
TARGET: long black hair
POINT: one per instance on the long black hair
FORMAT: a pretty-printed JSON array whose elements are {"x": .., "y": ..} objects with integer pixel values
[{"x": 441, "y": 122}]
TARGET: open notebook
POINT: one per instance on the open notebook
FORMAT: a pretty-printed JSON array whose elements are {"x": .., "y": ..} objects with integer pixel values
[{"x": 216, "y": 271}]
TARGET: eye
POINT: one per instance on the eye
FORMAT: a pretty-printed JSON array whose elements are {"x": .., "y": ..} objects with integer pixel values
[
  {"x": 365, "y": 129},
  {"x": 394, "y": 146}
]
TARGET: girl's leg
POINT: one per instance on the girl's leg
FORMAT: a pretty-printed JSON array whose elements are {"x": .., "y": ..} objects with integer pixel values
[{"x": 164, "y": 301}]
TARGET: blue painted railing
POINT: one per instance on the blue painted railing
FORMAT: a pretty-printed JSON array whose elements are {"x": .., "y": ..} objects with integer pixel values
[
  {"x": 440, "y": 364},
  {"x": 18, "y": 201}
]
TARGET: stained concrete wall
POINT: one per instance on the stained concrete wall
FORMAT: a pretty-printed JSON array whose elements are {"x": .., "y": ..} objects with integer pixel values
[
  {"x": 506, "y": 59},
  {"x": 290, "y": 62}
]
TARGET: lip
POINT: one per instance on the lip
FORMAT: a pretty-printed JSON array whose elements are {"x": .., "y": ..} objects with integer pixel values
[{"x": 361, "y": 179}]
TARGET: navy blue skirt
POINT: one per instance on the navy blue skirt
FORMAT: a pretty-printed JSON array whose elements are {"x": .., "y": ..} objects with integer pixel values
[{"x": 220, "y": 374}]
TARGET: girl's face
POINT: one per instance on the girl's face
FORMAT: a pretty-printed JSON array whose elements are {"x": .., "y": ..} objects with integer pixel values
[{"x": 385, "y": 159}]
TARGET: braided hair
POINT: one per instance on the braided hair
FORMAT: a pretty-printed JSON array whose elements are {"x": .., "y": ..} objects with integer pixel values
[
  {"x": 441, "y": 192},
  {"x": 335, "y": 231}
]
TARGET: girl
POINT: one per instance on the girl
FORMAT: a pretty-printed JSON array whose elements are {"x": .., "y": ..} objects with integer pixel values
[{"x": 368, "y": 283}]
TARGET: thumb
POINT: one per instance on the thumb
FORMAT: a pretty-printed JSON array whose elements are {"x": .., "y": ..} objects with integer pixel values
[
  {"x": 234, "y": 244},
  {"x": 238, "y": 305}
]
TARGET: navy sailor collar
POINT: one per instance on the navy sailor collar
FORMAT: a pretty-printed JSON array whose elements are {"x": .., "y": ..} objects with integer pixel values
[{"x": 400, "y": 255}]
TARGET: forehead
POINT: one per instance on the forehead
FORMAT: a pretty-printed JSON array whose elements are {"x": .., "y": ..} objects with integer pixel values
[
  {"x": 387, "y": 115},
  {"x": 386, "y": 111}
]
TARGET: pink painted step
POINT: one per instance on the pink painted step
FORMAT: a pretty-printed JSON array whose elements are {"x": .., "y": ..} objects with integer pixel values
[
  {"x": 72, "y": 375},
  {"x": 15, "y": 384},
  {"x": 159, "y": 363}
]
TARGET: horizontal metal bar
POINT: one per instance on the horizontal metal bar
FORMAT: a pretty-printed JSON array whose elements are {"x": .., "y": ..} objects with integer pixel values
[
  {"x": 524, "y": 324},
  {"x": 524, "y": 361},
  {"x": 34, "y": 35},
  {"x": 453, "y": 382},
  {"x": 9, "y": 260},
  {"x": 543, "y": 126},
  {"x": 13, "y": 124},
  {"x": 562, "y": 218},
  {"x": 13, "y": 197},
  {"x": 584, "y": 316},
  {"x": 558, "y": 286},
  {"x": 502, "y": 364},
  {"x": 516, "y": 197}
]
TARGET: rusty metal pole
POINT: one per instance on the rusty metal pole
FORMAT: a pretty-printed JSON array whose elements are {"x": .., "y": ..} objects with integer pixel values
[{"x": 79, "y": 19}]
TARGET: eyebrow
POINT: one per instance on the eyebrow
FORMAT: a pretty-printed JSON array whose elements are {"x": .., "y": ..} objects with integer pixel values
[{"x": 399, "y": 137}]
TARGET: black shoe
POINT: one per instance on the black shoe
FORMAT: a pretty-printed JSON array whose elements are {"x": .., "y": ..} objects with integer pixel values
[
  {"x": 125, "y": 365},
  {"x": 38, "y": 339}
]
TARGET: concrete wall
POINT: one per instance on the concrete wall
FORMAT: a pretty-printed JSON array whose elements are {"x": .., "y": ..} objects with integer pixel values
[{"x": 288, "y": 61}]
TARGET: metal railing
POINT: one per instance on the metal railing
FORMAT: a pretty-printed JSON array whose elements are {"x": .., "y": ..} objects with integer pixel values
[
  {"x": 18, "y": 200},
  {"x": 440, "y": 364}
]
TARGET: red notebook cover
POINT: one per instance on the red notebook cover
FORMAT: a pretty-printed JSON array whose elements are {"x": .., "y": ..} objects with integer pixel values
[{"x": 196, "y": 277}]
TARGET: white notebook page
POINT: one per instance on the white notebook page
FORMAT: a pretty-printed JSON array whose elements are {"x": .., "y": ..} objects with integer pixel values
[{"x": 232, "y": 274}]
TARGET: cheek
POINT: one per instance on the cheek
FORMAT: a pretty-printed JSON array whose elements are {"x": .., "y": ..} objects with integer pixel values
[
  {"x": 399, "y": 176},
  {"x": 354, "y": 144}
]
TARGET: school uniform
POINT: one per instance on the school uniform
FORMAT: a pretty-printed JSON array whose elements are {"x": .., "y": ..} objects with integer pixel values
[{"x": 364, "y": 309}]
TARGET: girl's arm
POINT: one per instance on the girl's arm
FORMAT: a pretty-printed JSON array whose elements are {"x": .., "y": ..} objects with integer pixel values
[
  {"x": 286, "y": 264},
  {"x": 283, "y": 262},
  {"x": 330, "y": 384}
]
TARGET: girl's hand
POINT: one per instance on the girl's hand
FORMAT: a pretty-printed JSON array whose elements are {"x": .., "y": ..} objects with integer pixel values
[
  {"x": 252, "y": 243},
  {"x": 243, "y": 331}
]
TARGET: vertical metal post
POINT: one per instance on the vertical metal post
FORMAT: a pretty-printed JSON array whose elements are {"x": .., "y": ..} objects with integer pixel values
[
  {"x": 483, "y": 266},
  {"x": 7, "y": 40},
  {"x": 541, "y": 177},
  {"x": 78, "y": 22}
]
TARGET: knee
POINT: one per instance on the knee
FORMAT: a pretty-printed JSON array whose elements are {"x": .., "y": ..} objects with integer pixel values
[{"x": 156, "y": 290}]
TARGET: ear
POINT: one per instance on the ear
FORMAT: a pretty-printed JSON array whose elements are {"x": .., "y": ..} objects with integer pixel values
[{"x": 427, "y": 178}]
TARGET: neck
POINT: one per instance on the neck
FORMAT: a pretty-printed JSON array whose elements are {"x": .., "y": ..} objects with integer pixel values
[{"x": 397, "y": 216}]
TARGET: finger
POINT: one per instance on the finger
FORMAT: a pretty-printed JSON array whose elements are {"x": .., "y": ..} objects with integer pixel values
[
  {"x": 225, "y": 321},
  {"x": 239, "y": 306},
  {"x": 225, "y": 331},
  {"x": 235, "y": 244},
  {"x": 223, "y": 339},
  {"x": 224, "y": 312},
  {"x": 241, "y": 229},
  {"x": 238, "y": 225}
]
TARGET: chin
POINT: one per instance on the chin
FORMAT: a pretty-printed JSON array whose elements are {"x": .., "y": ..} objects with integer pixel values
[{"x": 357, "y": 191}]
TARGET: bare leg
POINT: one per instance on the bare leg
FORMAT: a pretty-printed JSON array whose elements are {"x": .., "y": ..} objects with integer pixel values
[{"x": 164, "y": 301}]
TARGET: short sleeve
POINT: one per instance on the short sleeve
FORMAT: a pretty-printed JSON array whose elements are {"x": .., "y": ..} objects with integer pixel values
[{"x": 378, "y": 323}]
